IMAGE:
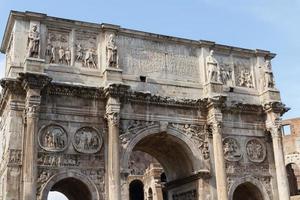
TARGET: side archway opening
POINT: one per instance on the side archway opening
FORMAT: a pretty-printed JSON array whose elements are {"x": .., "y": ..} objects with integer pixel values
[
  {"x": 247, "y": 191},
  {"x": 72, "y": 189}
]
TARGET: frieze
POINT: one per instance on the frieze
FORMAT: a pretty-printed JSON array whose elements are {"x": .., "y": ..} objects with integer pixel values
[
  {"x": 87, "y": 140},
  {"x": 189, "y": 195},
  {"x": 243, "y": 72},
  {"x": 57, "y": 160},
  {"x": 51, "y": 160},
  {"x": 232, "y": 150},
  {"x": 74, "y": 91},
  {"x": 239, "y": 169},
  {"x": 256, "y": 150},
  {"x": 53, "y": 138}
]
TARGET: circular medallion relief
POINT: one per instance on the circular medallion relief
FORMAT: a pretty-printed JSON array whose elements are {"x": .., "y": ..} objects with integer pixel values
[
  {"x": 231, "y": 149},
  {"x": 87, "y": 140},
  {"x": 256, "y": 150},
  {"x": 53, "y": 138}
]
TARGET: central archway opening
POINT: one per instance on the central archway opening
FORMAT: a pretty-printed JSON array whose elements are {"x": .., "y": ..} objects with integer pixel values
[
  {"x": 70, "y": 189},
  {"x": 160, "y": 158},
  {"x": 247, "y": 191}
]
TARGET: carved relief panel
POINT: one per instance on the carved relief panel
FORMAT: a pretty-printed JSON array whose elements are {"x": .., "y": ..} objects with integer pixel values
[
  {"x": 87, "y": 140},
  {"x": 53, "y": 138},
  {"x": 58, "y": 50},
  {"x": 256, "y": 150},
  {"x": 86, "y": 54},
  {"x": 243, "y": 72},
  {"x": 226, "y": 69},
  {"x": 232, "y": 151}
]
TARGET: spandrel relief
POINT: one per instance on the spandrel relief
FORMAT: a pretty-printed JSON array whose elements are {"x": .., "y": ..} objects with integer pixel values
[
  {"x": 58, "y": 48},
  {"x": 243, "y": 72},
  {"x": 86, "y": 54},
  {"x": 87, "y": 140},
  {"x": 53, "y": 138}
]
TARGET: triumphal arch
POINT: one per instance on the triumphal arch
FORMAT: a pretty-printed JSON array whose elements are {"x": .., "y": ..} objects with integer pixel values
[{"x": 80, "y": 98}]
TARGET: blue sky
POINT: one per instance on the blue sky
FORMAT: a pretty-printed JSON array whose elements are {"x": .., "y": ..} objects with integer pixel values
[{"x": 264, "y": 24}]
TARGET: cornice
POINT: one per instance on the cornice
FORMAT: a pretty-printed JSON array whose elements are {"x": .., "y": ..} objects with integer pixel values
[
  {"x": 34, "y": 80},
  {"x": 74, "y": 91},
  {"x": 245, "y": 108},
  {"x": 276, "y": 107}
]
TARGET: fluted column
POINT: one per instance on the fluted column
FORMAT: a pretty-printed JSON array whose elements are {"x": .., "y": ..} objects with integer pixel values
[
  {"x": 33, "y": 85},
  {"x": 113, "y": 165},
  {"x": 215, "y": 121},
  {"x": 281, "y": 174}
]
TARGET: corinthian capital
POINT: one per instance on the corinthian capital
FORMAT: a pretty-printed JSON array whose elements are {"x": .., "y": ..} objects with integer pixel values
[{"x": 113, "y": 118}]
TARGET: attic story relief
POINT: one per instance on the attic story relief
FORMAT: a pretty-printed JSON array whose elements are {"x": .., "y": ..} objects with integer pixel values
[{"x": 60, "y": 47}]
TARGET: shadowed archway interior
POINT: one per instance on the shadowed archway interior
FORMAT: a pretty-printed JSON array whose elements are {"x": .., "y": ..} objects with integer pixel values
[
  {"x": 73, "y": 189},
  {"x": 247, "y": 191},
  {"x": 172, "y": 153},
  {"x": 136, "y": 190}
]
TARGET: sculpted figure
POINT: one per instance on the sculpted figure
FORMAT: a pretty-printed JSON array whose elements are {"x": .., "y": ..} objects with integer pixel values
[
  {"x": 89, "y": 59},
  {"x": 245, "y": 79},
  {"x": 52, "y": 56},
  {"x": 268, "y": 75},
  {"x": 68, "y": 56},
  {"x": 231, "y": 149},
  {"x": 61, "y": 55},
  {"x": 79, "y": 53},
  {"x": 213, "y": 68},
  {"x": 33, "y": 42},
  {"x": 226, "y": 77},
  {"x": 112, "y": 51}
]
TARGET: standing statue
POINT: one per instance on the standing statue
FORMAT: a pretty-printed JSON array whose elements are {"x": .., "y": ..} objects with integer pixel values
[
  {"x": 61, "y": 55},
  {"x": 68, "y": 56},
  {"x": 268, "y": 75},
  {"x": 33, "y": 42},
  {"x": 112, "y": 51},
  {"x": 213, "y": 68}
]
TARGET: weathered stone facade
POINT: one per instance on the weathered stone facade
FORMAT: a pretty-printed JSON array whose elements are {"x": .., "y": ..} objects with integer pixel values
[{"x": 78, "y": 98}]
